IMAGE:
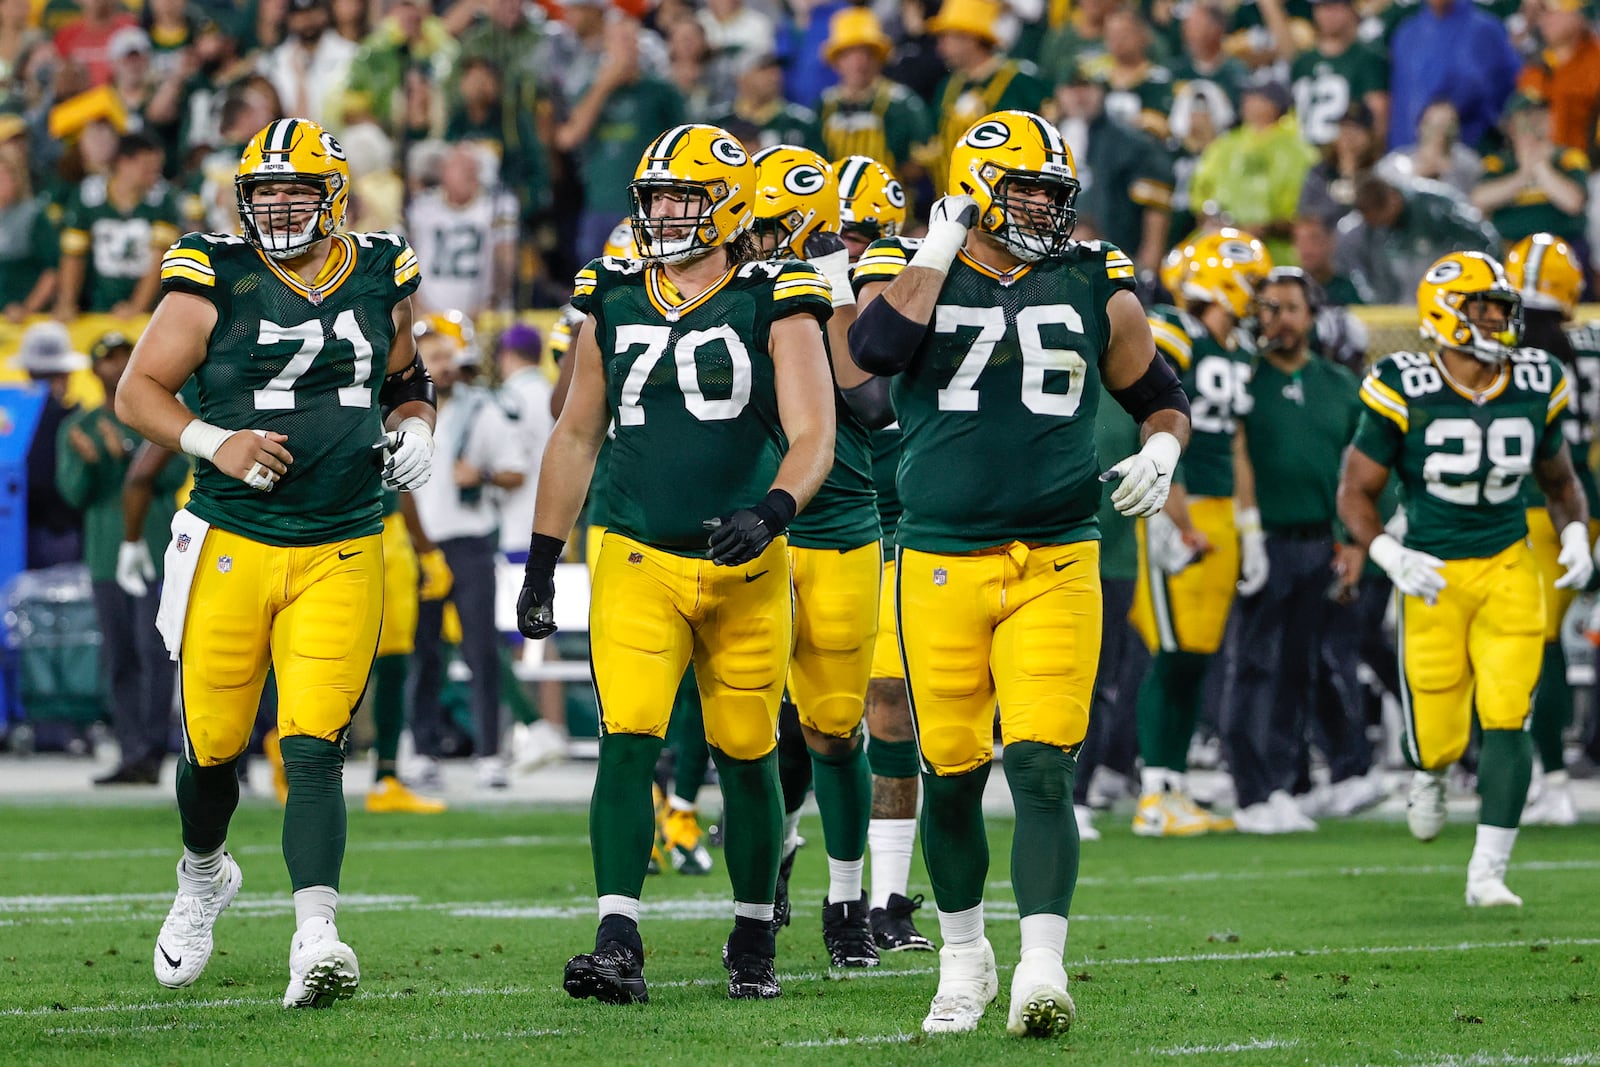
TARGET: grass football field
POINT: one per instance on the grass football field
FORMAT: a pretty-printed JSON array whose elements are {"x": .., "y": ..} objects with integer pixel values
[{"x": 1348, "y": 947}]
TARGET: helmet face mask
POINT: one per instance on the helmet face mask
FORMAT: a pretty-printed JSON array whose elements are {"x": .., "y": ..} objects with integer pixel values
[
  {"x": 1020, "y": 172},
  {"x": 691, "y": 194},
  {"x": 301, "y": 158},
  {"x": 1452, "y": 299},
  {"x": 1040, "y": 214},
  {"x": 671, "y": 220}
]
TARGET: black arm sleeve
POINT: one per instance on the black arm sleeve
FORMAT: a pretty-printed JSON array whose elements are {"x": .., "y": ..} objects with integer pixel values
[
  {"x": 1158, "y": 389},
  {"x": 406, "y": 385},
  {"x": 870, "y": 402},
  {"x": 882, "y": 341}
]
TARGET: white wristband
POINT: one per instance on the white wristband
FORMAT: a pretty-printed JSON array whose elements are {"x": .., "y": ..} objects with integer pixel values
[
  {"x": 837, "y": 271},
  {"x": 419, "y": 427},
  {"x": 1163, "y": 450},
  {"x": 201, "y": 439},
  {"x": 939, "y": 247},
  {"x": 1247, "y": 521},
  {"x": 1385, "y": 552}
]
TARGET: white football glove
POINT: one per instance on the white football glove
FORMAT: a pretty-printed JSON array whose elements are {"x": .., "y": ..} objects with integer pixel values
[
  {"x": 1413, "y": 573},
  {"x": 1163, "y": 543},
  {"x": 1575, "y": 557},
  {"x": 1253, "y": 566},
  {"x": 407, "y": 455},
  {"x": 948, "y": 222},
  {"x": 135, "y": 569},
  {"x": 1146, "y": 476}
]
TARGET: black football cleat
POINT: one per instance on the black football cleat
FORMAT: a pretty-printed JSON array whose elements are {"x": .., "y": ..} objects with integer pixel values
[
  {"x": 749, "y": 956},
  {"x": 892, "y": 928},
  {"x": 847, "y": 934},
  {"x": 614, "y": 972}
]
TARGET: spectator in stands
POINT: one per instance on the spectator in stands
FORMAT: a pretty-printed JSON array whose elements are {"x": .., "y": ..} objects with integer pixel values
[
  {"x": 114, "y": 232},
  {"x": 734, "y": 29},
  {"x": 1252, "y": 174},
  {"x": 1567, "y": 72},
  {"x": 465, "y": 236},
  {"x": 172, "y": 27},
  {"x": 1451, "y": 50},
  {"x": 1126, "y": 178},
  {"x": 759, "y": 102},
  {"x": 92, "y": 458},
  {"x": 352, "y": 20},
  {"x": 1336, "y": 73},
  {"x": 1329, "y": 191},
  {"x": 1138, "y": 92},
  {"x": 246, "y": 110},
  {"x": 1438, "y": 154},
  {"x": 915, "y": 62},
  {"x": 479, "y": 114},
  {"x": 18, "y": 36},
  {"x": 55, "y": 527},
  {"x": 477, "y": 453},
  {"x": 981, "y": 79},
  {"x": 1077, "y": 43},
  {"x": 1203, "y": 58},
  {"x": 1536, "y": 186},
  {"x": 377, "y": 192},
  {"x": 508, "y": 36},
  {"x": 312, "y": 64},
  {"x": 1314, "y": 247},
  {"x": 29, "y": 244},
  {"x": 83, "y": 42},
  {"x": 131, "y": 79},
  {"x": 800, "y": 33},
  {"x": 1201, "y": 111},
  {"x": 698, "y": 80},
  {"x": 1396, "y": 233},
  {"x": 614, "y": 115},
  {"x": 397, "y": 76},
  {"x": 867, "y": 114}
]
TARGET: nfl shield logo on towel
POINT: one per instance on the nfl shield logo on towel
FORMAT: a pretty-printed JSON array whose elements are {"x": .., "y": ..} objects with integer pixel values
[
  {"x": 940, "y": 576},
  {"x": 183, "y": 542},
  {"x": 224, "y": 564}
]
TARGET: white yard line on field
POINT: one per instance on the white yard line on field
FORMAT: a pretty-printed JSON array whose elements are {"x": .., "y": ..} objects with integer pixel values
[
  {"x": 514, "y": 841},
  {"x": 1329, "y": 950},
  {"x": 1253, "y": 1045},
  {"x": 1314, "y": 872},
  {"x": 1494, "y": 1059},
  {"x": 864, "y": 1039}
]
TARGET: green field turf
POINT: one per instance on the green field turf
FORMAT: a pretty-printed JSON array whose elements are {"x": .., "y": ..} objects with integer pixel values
[{"x": 1351, "y": 946}]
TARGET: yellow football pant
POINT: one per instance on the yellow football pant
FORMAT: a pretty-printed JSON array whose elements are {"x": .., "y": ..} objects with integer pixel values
[
  {"x": 886, "y": 648},
  {"x": 398, "y": 635},
  {"x": 1482, "y": 644},
  {"x": 1546, "y": 543},
  {"x": 835, "y": 623},
  {"x": 1188, "y": 612},
  {"x": 651, "y": 612},
  {"x": 592, "y": 540},
  {"x": 1015, "y": 623},
  {"x": 312, "y": 613}
]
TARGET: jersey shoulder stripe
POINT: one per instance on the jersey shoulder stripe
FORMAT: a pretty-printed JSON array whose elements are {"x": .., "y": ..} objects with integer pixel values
[
  {"x": 1382, "y": 390},
  {"x": 883, "y": 260},
  {"x": 798, "y": 279}
]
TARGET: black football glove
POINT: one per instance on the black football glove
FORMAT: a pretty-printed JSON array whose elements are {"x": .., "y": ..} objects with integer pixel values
[
  {"x": 536, "y": 604},
  {"x": 741, "y": 537},
  {"x": 823, "y": 243}
]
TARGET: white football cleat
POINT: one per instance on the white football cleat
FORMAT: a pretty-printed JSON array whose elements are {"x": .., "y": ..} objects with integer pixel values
[
  {"x": 1083, "y": 815},
  {"x": 1486, "y": 883},
  {"x": 968, "y": 983},
  {"x": 535, "y": 744},
  {"x": 1260, "y": 818},
  {"x": 1551, "y": 804},
  {"x": 1040, "y": 1004},
  {"x": 1425, "y": 805},
  {"x": 1354, "y": 795},
  {"x": 322, "y": 969},
  {"x": 1291, "y": 820},
  {"x": 183, "y": 947}
]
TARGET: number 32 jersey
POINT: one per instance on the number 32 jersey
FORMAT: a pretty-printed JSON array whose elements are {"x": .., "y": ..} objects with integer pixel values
[
  {"x": 1461, "y": 460},
  {"x": 997, "y": 407},
  {"x": 302, "y": 361},
  {"x": 690, "y": 385}
]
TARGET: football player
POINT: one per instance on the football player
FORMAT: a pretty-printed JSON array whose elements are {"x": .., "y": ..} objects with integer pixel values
[
  {"x": 872, "y": 204},
  {"x": 1462, "y": 424},
  {"x": 1546, "y": 271},
  {"x": 1209, "y": 539},
  {"x": 710, "y": 364},
  {"x": 311, "y": 401},
  {"x": 1002, "y": 334},
  {"x": 835, "y": 559}
]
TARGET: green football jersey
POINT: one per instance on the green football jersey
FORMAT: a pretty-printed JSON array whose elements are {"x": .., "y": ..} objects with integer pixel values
[
  {"x": 1582, "y": 414},
  {"x": 697, "y": 431},
  {"x": 844, "y": 513},
  {"x": 119, "y": 246},
  {"x": 1325, "y": 87},
  {"x": 1461, "y": 461},
  {"x": 885, "y": 466},
  {"x": 997, "y": 407},
  {"x": 301, "y": 361},
  {"x": 1217, "y": 379}
]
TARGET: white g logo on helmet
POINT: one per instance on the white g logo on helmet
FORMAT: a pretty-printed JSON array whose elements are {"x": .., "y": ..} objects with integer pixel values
[
  {"x": 729, "y": 152},
  {"x": 803, "y": 180},
  {"x": 331, "y": 146},
  {"x": 896, "y": 194},
  {"x": 988, "y": 135},
  {"x": 1238, "y": 251},
  {"x": 1448, "y": 271}
]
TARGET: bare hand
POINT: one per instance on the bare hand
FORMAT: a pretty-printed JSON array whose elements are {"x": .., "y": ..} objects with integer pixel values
[
  {"x": 16, "y": 312},
  {"x": 254, "y": 457},
  {"x": 116, "y": 445},
  {"x": 1347, "y": 564},
  {"x": 467, "y": 475},
  {"x": 1196, "y": 541},
  {"x": 82, "y": 444}
]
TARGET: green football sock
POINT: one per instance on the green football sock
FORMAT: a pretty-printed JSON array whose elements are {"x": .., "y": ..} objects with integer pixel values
[
  {"x": 1044, "y": 851},
  {"x": 844, "y": 797},
  {"x": 1169, "y": 706},
  {"x": 313, "y": 816},
  {"x": 892, "y": 759},
  {"x": 207, "y": 797},
  {"x": 955, "y": 845},
  {"x": 388, "y": 709},
  {"x": 753, "y": 821},
  {"x": 1552, "y": 708},
  {"x": 622, "y": 822},
  {"x": 1505, "y": 766}
]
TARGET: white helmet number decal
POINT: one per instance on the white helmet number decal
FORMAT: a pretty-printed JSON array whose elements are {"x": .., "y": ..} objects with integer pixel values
[
  {"x": 804, "y": 180},
  {"x": 729, "y": 152},
  {"x": 988, "y": 135}
]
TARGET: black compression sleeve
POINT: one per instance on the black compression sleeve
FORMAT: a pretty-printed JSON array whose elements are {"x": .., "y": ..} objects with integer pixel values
[
  {"x": 405, "y": 385},
  {"x": 882, "y": 340},
  {"x": 870, "y": 402},
  {"x": 1158, "y": 389}
]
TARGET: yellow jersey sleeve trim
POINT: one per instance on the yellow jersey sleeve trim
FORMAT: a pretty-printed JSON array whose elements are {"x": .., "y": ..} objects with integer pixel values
[
  {"x": 405, "y": 274},
  {"x": 1173, "y": 341},
  {"x": 74, "y": 242},
  {"x": 188, "y": 255},
  {"x": 1558, "y": 401},
  {"x": 789, "y": 293},
  {"x": 188, "y": 272},
  {"x": 1386, "y": 402}
]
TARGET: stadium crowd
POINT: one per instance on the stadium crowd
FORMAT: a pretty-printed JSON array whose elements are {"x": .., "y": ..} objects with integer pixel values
[{"x": 1359, "y": 141}]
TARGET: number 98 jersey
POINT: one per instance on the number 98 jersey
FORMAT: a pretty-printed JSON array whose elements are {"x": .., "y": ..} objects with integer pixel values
[
  {"x": 997, "y": 407},
  {"x": 304, "y": 361},
  {"x": 1461, "y": 460},
  {"x": 694, "y": 403}
]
